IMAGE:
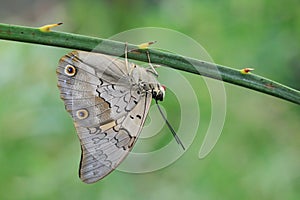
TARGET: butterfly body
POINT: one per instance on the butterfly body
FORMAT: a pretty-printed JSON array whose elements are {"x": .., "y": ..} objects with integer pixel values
[{"x": 108, "y": 99}]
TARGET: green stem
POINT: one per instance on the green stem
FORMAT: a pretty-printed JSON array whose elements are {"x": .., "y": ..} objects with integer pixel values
[{"x": 73, "y": 41}]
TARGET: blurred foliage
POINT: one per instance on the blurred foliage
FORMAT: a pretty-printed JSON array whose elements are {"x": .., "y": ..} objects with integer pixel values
[{"x": 257, "y": 155}]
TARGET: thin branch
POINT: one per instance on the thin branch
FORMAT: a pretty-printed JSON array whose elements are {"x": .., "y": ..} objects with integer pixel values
[{"x": 79, "y": 42}]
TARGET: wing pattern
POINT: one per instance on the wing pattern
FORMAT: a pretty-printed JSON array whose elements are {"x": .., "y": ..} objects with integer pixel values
[{"x": 108, "y": 106}]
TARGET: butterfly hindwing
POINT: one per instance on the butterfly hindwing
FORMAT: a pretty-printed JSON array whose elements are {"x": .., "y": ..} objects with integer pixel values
[{"x": 103, "y": 151}]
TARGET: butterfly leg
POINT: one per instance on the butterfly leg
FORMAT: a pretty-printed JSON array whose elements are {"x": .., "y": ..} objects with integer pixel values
[
  {"x": 126, "y": 59},
  {"x": 145, "y": 46},
  {"x": 152, "y": 68},
  {"x": 142, "y": 46}
]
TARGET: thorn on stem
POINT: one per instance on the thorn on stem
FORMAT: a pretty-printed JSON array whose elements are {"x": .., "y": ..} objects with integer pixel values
[
  {"x": 246, "y": 70},
  {"x": 47, "y": 28},
  {"x": 146, "y": 45}
]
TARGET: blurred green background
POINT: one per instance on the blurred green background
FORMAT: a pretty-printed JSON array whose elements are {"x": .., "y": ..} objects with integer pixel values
[{"x": 257, "y": 155}]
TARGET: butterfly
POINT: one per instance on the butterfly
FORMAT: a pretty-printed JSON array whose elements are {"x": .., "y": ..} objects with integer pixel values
[{"x": 108, "y": 99}]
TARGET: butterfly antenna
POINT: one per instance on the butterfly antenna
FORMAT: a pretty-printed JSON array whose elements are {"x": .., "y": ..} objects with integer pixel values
[{"x": 170, "y": 127}]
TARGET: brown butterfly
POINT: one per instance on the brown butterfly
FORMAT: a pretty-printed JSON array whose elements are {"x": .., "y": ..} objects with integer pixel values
[{"x": 108, "y": 99}]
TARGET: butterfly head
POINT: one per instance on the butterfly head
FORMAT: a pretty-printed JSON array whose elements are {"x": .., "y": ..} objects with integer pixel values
[{"x": 158, "y": 93}]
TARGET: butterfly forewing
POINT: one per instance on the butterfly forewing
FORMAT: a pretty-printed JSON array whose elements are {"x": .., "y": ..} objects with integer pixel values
[{"x": 107, "y": 105}]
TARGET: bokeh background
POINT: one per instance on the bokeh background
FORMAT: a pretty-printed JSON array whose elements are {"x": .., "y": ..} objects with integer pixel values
[{"x": 257, "y": 155}]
